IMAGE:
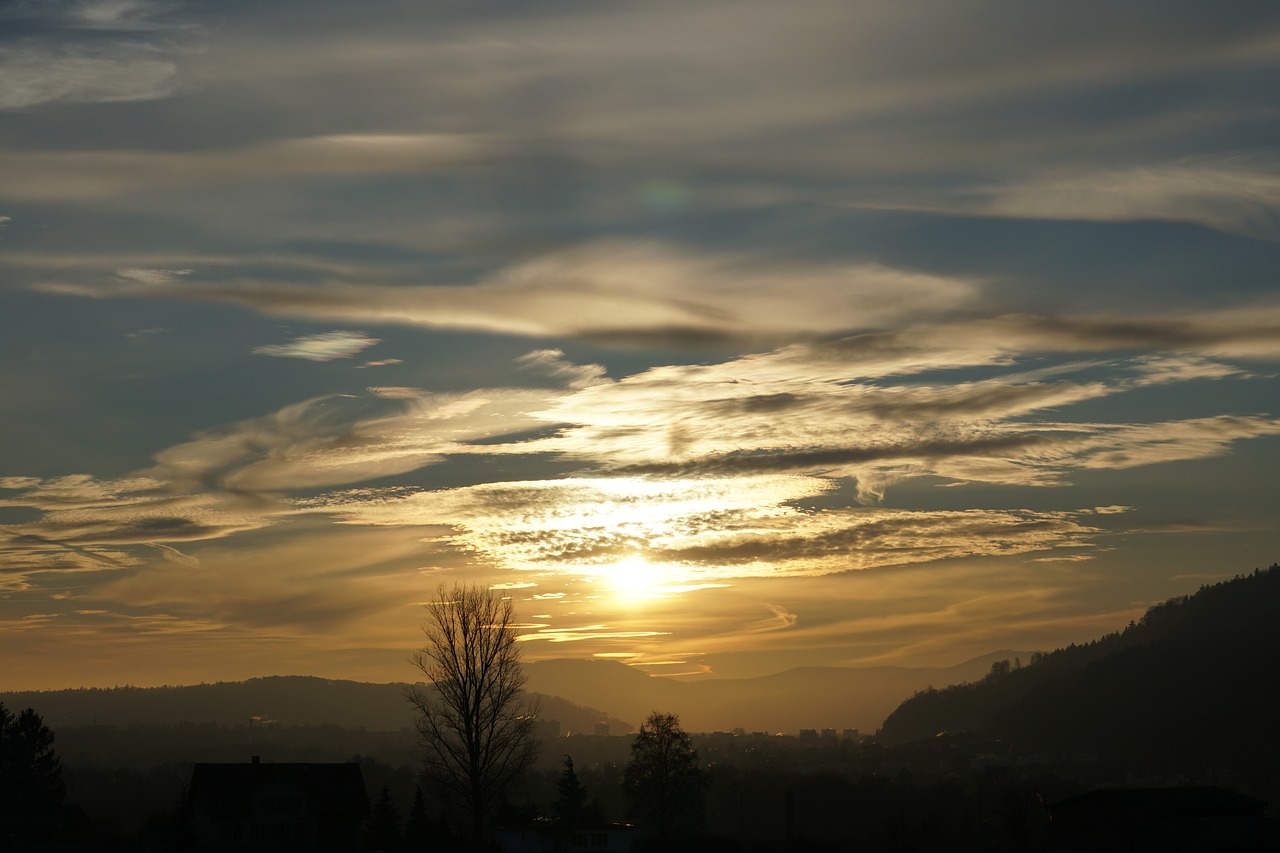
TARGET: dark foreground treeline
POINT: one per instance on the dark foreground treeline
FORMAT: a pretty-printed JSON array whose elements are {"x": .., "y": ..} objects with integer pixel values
[
  {"x": 763, "y": 794},
  {"x": 126, "y": 776},
  {"x": 776, "y": 797}
]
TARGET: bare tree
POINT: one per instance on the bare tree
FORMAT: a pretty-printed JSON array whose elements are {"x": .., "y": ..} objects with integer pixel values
[
  {"x": 662, "y": 780},
  {"x": 473, "y": 721}
]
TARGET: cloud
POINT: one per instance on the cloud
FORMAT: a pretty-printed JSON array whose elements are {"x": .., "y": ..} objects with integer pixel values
[
  {"x": 581, "y": 633},
  {"x": 79, "y": 15},
  {"x": 551, "y": 362},
  {"x": 336, "y": 440},
  {"x": 1130, "y": 446},
  {"x": 35, "y": 76},
  {"x": 781, "y": 620},
  {"x": 92, "y": 52},
  {"x": 1228, "y": 196},
  {"x": 325, "y": 346},
  {"x": 28, "y": 553},
  {"x": 780, "y": 411},
  {"x": 80, "y": 491},
  {"x": 134, "y": 15},
  {"x": 60, "y": 175},
  {"x": 398, "y": 392},
  {"x": 750, "y": 85},
  {"x": 87, "y": 524},
  {"x": 164, "y": 518},
  {"x": 1160, "y": 370},
  {"x": 618, "y": 292},
  {"x": 1243, "y": 331},
  {"x": 699, "y": 529},
  {"x": 702, "y": 465},
  {"x": 276, "y": 588},
  {"x": 173, "y": 555},
  {"x": 143, "y": 275},
  {"x": 1233, "y": 193},
  {"x": 19, "y": 482}
]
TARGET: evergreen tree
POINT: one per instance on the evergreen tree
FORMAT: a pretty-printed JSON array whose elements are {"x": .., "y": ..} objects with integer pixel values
[
  {"x": 382, "y": 832},
  {"x": 571, "y": 796},
  {"x": 31, "y": 788},
  {"x": 419, "y": 829}
]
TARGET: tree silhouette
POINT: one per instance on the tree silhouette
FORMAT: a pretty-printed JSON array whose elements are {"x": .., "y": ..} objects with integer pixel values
[
  {"x": 31, "y": 788},
  {"x": 662, "y": 780},
  {"x": 570, "y": 796},
  {"x": 420, "y": 831},
  {"x": 473, "y": 722},
  {"x": 382, "y": 830}
]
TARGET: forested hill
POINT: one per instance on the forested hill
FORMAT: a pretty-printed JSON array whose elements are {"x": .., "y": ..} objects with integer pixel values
[
  {"x": 1186, "y": 688},
  {"x": 285, "y": 700}
]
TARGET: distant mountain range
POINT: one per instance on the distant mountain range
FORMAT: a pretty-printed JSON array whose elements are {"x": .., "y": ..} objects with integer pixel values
[
  {"x": 570, "y": 691},
  {"x": 293, "y": 700},
  {"x": 1187, "y": 688},
  {"x": 805, "y": 697}
]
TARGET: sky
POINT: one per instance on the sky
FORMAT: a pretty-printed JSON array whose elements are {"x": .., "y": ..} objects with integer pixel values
[{"x": 724, "y": 337}]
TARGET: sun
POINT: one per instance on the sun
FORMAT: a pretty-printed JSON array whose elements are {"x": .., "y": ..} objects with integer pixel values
[{"x": 633, "y": 578}]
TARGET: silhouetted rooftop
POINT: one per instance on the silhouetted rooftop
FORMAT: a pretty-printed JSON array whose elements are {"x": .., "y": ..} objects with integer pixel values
[
  {"x": 227, "y": 790},
  {"x": 1202, "y": 801}
]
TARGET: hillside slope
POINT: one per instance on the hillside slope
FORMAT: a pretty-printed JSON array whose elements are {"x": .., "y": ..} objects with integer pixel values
[{"x": 1186, "y": 688}]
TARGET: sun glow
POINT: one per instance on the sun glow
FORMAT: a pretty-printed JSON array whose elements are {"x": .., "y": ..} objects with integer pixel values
[{"x": 634, "y": 578}]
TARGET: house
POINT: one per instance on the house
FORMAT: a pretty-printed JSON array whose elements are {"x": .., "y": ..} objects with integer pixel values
[
  {"x": 1165, "y": 819},
  {"x": 264, "y": 806}
]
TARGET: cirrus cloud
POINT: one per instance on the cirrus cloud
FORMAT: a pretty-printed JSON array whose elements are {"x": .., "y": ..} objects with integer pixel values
[{"x": 325, "y": 346}]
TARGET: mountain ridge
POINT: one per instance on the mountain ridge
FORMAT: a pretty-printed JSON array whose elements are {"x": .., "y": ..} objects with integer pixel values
[
  {"x": 580, "y": 693},
  {"x": 1182, "y": 689},
  {"x": 814, "y": 697}
]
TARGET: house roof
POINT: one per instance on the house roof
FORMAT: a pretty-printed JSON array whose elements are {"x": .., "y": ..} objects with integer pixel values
[
  {"x": 228, "y": 790},
  {"x": 1199, "y": 801}
]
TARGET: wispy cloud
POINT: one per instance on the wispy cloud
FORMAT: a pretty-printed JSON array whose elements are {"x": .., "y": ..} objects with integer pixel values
[
  {"x": 1229, "y": 196},
  {"x": 149, "y": 276},
  {"x": 78, "y": 52},
  {"x": 582, "y": 633},
  {"x": 1237, "y": 194},
  {"x": 35, "y": 76},
  {"x": 615, "y": 292},
  {"x": 703, "y": 528},
  {"x": 702, "y": 472},
  {"x": 551, "y": 362},
  {"x": 325, "y": 346},
  {"x": 44, "y": 175}
]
